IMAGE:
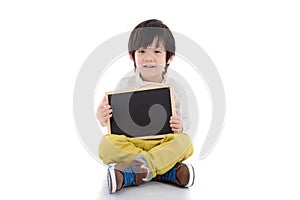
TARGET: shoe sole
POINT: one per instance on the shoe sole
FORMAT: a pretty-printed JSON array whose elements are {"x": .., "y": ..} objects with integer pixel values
[
  {"x": 192, "y": 175},
  {"x": 111, "y": 178}
]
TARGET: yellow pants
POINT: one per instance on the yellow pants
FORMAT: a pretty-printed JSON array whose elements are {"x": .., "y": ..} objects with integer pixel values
[{"x": 160, "y": 154}]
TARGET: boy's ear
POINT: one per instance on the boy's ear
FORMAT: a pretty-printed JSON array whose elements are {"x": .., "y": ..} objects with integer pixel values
[
  {"x": 130, "y": 56},
  {"x": 170, "y": 59}
]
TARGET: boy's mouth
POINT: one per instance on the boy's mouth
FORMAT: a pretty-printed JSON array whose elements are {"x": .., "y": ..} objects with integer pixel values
[{"x": 149, "y": 66}]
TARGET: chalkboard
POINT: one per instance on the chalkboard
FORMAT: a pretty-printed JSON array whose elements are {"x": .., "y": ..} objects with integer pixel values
[{"x": 143, "y": 113}]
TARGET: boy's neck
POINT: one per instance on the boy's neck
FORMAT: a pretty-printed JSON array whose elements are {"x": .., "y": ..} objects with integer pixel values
[{"x": 157, "y": 79}]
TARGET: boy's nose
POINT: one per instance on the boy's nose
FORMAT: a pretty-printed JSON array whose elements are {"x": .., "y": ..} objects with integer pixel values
[{"x": 148, "y": 56}]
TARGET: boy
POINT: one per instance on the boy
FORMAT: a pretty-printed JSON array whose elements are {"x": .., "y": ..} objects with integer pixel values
[{"x": 132, "y": 161}]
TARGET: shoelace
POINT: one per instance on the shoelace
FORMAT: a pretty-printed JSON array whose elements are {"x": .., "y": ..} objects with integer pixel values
[{"x": 129, "y": 175}]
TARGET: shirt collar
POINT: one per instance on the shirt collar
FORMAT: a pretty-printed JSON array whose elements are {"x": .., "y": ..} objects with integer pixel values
[{"x": 141, "y": 82}]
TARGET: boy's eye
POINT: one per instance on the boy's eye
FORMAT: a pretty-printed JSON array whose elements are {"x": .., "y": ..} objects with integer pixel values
[
  {"x": 157, "y": 51},
  {"x": 141, "y": 51}
]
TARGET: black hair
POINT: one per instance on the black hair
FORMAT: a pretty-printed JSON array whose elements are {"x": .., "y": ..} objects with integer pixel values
[{"x": 145, "y": 33}]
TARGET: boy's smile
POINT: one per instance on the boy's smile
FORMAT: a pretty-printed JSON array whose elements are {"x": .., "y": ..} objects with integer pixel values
[{"x": 149, "y": 66}]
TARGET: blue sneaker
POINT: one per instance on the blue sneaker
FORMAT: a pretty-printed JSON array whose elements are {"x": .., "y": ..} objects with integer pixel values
[
  {"x": 125, "y": 174},
  {"x": 181, "y": 174}
]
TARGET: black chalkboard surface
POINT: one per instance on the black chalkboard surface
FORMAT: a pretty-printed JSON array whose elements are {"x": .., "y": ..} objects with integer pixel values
[{"x": 143, "y": 113}]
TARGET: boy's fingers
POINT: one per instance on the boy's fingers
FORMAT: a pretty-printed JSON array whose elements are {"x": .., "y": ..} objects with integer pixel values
[
  {"x": 104, "y": 102},
  {"x": 107, "y": 117},
  {"x": 104, "y": 113},
  {"x": 175, "y": 117},
  {"x": 175, "y": 126},
  {"x": 108, "y": 112},
  {"x": 105, "y": 99},
  {"x": 175, "y": 121},
  {"x": 104, "y": 109}
]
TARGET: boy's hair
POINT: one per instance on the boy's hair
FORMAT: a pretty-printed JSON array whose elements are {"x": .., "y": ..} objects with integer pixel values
[{"x": 148, "y": 32}]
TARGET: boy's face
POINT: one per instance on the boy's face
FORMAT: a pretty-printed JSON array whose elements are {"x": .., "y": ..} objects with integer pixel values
[{"x": 151, "y": 62}]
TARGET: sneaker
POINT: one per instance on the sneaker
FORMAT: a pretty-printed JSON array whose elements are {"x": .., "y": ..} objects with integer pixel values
[
  {"x": 125, "y": 174},
  {"x": 181, "y": 174}
]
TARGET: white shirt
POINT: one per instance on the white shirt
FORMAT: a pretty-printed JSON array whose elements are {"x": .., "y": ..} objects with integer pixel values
[{"x": 135, "y": 82}]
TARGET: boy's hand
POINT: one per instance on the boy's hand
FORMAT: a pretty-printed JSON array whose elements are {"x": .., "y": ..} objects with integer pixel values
[
  {"x": 104, "y": 111},
  {"x": 176, "y": 124}
]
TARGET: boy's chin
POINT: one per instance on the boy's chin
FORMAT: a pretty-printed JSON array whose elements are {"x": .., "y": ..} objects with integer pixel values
[
  {"x": 149, "y": 69},
  {"x": 150, "y": 72}
]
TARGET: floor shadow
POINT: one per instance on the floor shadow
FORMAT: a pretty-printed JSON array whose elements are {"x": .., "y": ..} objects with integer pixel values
[{"x": 148, "y": 191}]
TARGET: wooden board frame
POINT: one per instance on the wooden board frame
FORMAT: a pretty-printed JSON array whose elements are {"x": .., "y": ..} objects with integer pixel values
[{"x": 145, "y": 88}]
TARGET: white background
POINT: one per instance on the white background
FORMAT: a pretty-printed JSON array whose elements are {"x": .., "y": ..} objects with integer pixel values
[{"x": 255, "y": 46}]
